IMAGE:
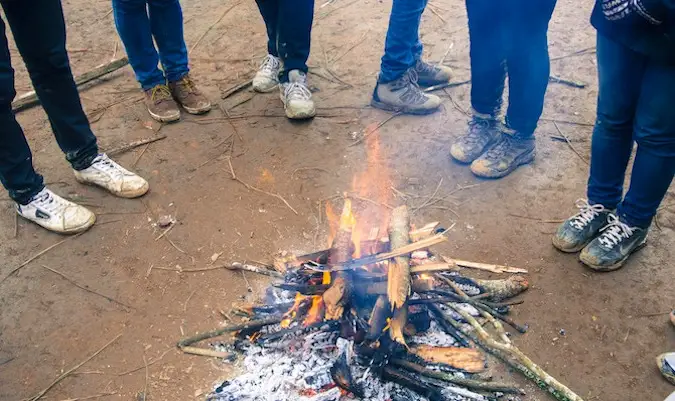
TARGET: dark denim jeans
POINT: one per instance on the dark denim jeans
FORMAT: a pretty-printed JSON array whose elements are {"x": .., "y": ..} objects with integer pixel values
[
  {"x": 510, "y": 36},
  {"x": 636, "y": 103},
  {"x": 40, "y": 35},
  {"x": 138, "y": 21},
  {"x": 289, "y": 31},
  {"x": 402, "y": 47}
]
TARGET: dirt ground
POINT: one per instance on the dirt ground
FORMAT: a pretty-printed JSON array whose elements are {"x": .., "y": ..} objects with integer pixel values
[{"x": 615, "y": 324}]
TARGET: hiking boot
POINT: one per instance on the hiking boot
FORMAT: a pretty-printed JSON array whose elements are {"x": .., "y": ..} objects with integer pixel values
[
  {"x": 506, "y": 155},
  {"x": 107, "y": 174},
  {"x": 56, "y": 214},
  {"x": 187, "y": 95},
  {"x": 161, "y": 105},
  {"x": 267, "y": 77},
  {"x": 432, "y": 74},
  {"x": 482, "y": 133},
  {"x": 577, "y": 231},
  {"x": 404, "y": 96},
  {"x": 666, "y": 364},
  {"x": 297, "y": 97},
  {"x": 615, "y": 244}
]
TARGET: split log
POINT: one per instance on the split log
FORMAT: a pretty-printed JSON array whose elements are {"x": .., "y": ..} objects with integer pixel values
[
  {"x": 378, "y": 318},
  {"x": 342, "y": 376},
  {"x": 339, "y": 293},
  {"x": 397, "y": 324},
  {"x": 484, "y": 266},
  {"x": 468, "y": 383},
  {"x": 399, "y": 285},
  {"x": 30, "y": 99},
  {"x": 423, "y": 232},
  {"x": 467, "y": 359}
]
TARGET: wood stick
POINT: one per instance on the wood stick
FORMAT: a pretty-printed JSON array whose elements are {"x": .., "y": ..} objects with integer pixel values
[
  {"x": 71, "y": 370},
  {"x": 379, "y": 125},
  {"x": 236, "y": 89},
  {"x": 254, "y": 324},
  {"x": 484, "y": 266},
  {"x": 468, "y": 383},
  {"x": 398, "y": 276},
  {"x": 568, "y": 82},
  {"x": 212, "y": 25},
  {"x": 86, "y": 288},
  {"x": 253, "y": 269},
  {"x": 206, "y": 352},
  {"x": 251, "y": 187},
  {"x": 446, "y": 85},
  {"x": 30, "y": 99},
  {"x": 37, "y": 255},
  {"x": 570, "y": 144},
  {"x": 432, "y": 267},
  {"x": 134, "y": 145}
]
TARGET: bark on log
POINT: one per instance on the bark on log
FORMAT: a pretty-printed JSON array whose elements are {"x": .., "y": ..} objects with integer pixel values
[
  {"x": 397, "y": 324},
  {"x": 500, "y": 290},
  {"x": 467, "y": 359},
  {"x": 398, "y": 288},
  {"x": 339, "y": 294},
  {"x": 30, "y": 99}
]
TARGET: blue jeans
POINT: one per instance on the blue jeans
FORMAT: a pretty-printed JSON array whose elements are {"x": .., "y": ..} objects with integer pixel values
[
  {"x": 402, "y": 47},
  {"x": 40, "y": 35},
  {"x": 289, "y": 31},
  {"x": 138, "y": 21},
  {"x": 636, "y": 103},
  {"x": 510, "y": 36}
]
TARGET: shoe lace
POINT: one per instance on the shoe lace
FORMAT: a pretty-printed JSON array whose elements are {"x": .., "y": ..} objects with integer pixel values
[
  {"x": 587, "y": 213},
  {"x": 188, "y": 85},
  {"x": 51, "y": 203},
  {"x": 297, "y": 91},
  {"x": 424, "y": 68},
  {"x": 614, "y": 232},
  {"x": 477, "y": 127},
  {"x": 270, "y": 65},
  {"x": 412, "y": 94},
  {"x": 108, "y": 166},
  {"x": 160, "y": 93}
]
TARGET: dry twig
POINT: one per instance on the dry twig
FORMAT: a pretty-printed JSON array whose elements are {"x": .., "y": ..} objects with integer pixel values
[
  {"x": 86, "y": 288},
  {"x": 212, "y": 25},
  {"x": 570, "y": 143},
  {"x": 134, "y": 145},
  {"x": 251, "y": 187},
  {"x": 379, "y": 125}
]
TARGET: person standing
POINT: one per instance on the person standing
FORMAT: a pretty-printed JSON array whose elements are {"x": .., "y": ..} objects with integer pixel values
[
  {"x": 508, "y": 36},
  {"x": 289, "y": 31},
  {"x": 402, "y": 70},
  {"x": 41, "y": 40},
  {"x": 636, "y": 71},
  {"x": 138, "y": 22}
]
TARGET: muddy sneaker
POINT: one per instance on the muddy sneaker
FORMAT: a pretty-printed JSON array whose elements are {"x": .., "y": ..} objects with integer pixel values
[
  {"x": 482, "y": 133},
  {"x": 56, "y": 214},
  {"x": 502, "y": 158},
  {"x": 577, "y": 231},
  {"x": 431, "y": 74},
  {"x": 671, "y": 397},
  {"x": 187, "y": 95},
  {"x": 666, "y": 364},
  {"x": 107, "y": 174},
  {"x": 404, "y": 96},
  {"x": 297, "y": 97},
  {"x": 615, "y": 244},
  {"x": 267, "y": 77},
  {"x": 161, "y": 105}
]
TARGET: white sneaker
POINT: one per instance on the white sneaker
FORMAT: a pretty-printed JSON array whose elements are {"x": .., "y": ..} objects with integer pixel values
[
  {"x": 107, "y": 174},
  {"x": 56, "y": 214},
  {"x": 267, "y": 77},
  {"x": 297, "y": 97}
]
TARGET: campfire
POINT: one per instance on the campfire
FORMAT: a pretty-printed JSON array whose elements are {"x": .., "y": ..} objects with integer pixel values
[{"x": 375, "y": 316}]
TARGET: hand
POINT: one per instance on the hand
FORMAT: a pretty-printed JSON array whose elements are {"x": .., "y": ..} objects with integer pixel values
[{"x": 630, "y": 11}]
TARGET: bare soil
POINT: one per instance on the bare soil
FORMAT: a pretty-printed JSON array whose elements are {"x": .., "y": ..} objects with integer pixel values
[{"x": 613, "y": 329}]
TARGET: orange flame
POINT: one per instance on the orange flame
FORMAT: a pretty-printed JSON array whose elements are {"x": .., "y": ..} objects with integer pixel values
[{"x": 316, "y": 311}]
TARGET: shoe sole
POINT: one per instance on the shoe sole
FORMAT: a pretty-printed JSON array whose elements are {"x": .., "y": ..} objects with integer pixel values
[
  {"x": 615, "y": 266},
  {"x": 135, "y": 195},
  {"x": 80, "y": 229},
  {"x": 300, "y": 116},
  {"x": 272, "y": 89},
  {"x": 560, "y": 247},
  {"x": 520, "y": 161},
  {"x": 404, "y": 110},
  {"x": 164, "y": 119},
  {"x": 198, "y": 111}
]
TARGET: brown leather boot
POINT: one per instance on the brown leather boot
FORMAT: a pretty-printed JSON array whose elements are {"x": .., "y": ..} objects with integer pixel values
[
  {"x": 187, "y": 95},
  {"x": 161, "y": 105}
]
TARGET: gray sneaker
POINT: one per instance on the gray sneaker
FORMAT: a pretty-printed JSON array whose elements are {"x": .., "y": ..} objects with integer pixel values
[
  {"x": 297, "y": 97},
  {"x": 431, "y": 74},
  {"x": 482, "y": 133},
  {"x": 404, "y": 96},
  {"x": 577, "y": 231},
  {"x": 502, "y": 158},
  {"x": 615, "y": 244}
]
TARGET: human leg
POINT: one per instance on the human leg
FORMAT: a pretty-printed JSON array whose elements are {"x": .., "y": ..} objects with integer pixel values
[{"x": 267, "y": 77}]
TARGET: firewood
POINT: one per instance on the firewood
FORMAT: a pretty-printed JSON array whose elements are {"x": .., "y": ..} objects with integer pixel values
[
  {"x": 398, "y": 288},
  {"x": 468, "y": 383},
  {"x": 378, "y": 318},
  {"x": 484, "y": 266},
  {"x": 467, "y": 359},
  {"x": 338, "y": 295},
  {"x": 30, "y": 99},
  {"x": 254, "y": 324},
  {"x": 442, "y": 320},
  {"x": 397, "y": 323},
  {"x": 504, "y": 289},
  {"x": 433, "y": 267},
  {"x": 380, "y": 287},
  {"x": 342, "y": 376},
  {"x": 414, "y": 383},
  {"x": 424, "y": 232}
]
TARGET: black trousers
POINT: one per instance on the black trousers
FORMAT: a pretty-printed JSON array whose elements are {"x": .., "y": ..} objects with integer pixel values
[
  {"x": 40, "y": 34},
  {"x": 289, "y": 31},
  {"x": 510, "y": 36}
]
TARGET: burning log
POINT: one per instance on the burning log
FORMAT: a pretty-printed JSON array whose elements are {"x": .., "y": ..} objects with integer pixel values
[
  {"x": 397, "y": 324},
  {"x": 378, "y": 318},
  {"x": 413, "y": 383},
  {"x": 252, "y": 325},
  {"x": 419, "y": 320},
  {"x": 467, "y": 359},
  {"x": 342, "y": 376},
  {"x": 468, "y": 383},
  {"x": 398, "y": 288},
  {"x": 339, "y": 293}
]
